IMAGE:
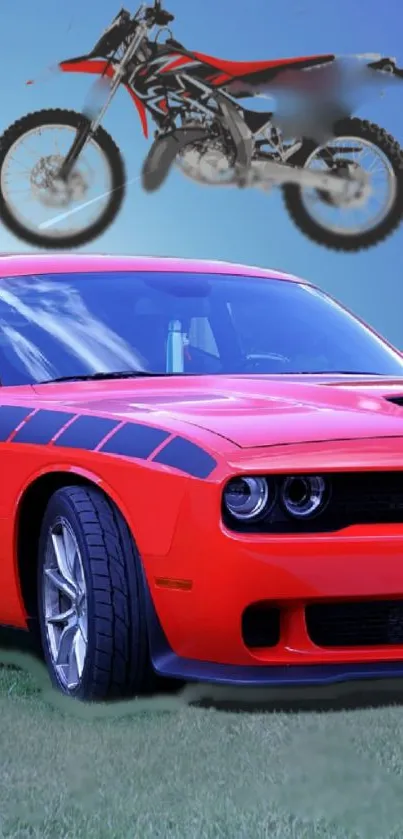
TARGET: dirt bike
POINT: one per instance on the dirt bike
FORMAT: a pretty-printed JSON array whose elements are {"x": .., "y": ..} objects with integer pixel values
[{"x": 201, "y": 127}]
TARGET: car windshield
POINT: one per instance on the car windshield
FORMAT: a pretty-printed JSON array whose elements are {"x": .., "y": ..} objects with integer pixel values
[{"x": 77, "y": 325}]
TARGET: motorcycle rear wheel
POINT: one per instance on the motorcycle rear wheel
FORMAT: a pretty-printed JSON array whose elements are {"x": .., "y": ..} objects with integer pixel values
[
  {"x": 374, "y": 136},
  {"x": 114, "y": 196}
]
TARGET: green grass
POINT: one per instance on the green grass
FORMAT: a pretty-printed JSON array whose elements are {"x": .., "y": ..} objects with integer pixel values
[{"x": 170, "y": 770}]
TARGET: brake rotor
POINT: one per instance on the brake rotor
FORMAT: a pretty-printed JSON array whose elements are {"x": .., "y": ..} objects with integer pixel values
[
  {"x": 346, "y": 168},
  {"x": 52, "y": 191}
]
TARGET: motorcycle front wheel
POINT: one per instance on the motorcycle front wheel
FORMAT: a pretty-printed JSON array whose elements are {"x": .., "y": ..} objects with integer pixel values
[
  {"x": 367, "y": 219},
  {"x": 39, "y": 208}
]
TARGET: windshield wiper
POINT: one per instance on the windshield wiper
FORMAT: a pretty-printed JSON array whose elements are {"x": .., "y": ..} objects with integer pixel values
[
  {"x": 118, "y": 374},
  {"x": 138, "y": 374}
]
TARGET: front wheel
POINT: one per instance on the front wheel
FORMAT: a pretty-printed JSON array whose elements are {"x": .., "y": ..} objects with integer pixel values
[
  {"x": 359, "y": 148},
  {"x": 91, "y": 606},
  {"x": 37, "y": 206}
]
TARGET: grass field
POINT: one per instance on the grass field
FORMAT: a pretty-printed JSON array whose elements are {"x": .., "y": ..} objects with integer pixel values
[{"x": 173, "y": 770}]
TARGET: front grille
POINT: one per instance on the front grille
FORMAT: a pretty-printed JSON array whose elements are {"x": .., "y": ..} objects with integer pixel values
[
  {"x": 368, "y": 497},
  {"x": 377, "y": 623},
  {"x": 261, "y": 626},
  {"x": 355, "y": 498}
]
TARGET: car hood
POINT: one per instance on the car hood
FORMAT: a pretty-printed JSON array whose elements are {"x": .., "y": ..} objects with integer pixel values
[{"x": 247, "y": 411}]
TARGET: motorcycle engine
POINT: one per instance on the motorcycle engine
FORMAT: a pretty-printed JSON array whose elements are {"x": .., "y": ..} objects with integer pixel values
[{"x": 207, "y": 162}]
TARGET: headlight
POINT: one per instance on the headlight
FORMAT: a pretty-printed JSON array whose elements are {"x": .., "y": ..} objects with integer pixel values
[
  {"x": 247, "y": 498},
  {"x": 303, "y": 496}
]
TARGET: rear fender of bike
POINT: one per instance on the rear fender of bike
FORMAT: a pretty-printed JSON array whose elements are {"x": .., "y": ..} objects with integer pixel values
[
  {"x": 387, "y": 65},
  {"x": 100, "y": 67}
]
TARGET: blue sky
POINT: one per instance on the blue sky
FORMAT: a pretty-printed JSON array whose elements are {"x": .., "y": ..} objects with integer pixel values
[{"x": 184, "y": 219}]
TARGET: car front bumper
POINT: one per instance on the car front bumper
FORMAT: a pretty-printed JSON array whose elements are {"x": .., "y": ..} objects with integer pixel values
[
  {"x": 196, "y": 634},
  {"x": 198, "y": 593}
]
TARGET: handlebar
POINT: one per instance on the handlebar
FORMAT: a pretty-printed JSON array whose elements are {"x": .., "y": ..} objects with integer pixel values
[
  {"x": 158, "y": 16},
  {"x": 153, "y": 15},
  {"x": 124, "y": 25},
  {"x": 164, "y": 17}
]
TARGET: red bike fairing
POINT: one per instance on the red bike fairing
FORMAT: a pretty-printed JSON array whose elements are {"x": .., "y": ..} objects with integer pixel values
[
  {"x": 254, "y": 72},
  {"x": 238, "y": 69},
  {"x": 229, "y": 71}
]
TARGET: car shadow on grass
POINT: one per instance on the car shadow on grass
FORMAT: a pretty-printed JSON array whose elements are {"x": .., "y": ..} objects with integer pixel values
[
  {"x": 18, "y": 640},
  {"x": 336, "y": 698},
  {"x": 340, "y": 697}
]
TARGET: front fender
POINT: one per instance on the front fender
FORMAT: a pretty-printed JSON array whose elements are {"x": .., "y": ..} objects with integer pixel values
[{"x": 149, "y": 499}]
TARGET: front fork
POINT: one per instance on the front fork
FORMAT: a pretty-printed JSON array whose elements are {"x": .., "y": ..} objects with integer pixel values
[
  {"x": 90, "y": 126},
  {"x": 83, "y": 134},
  {"x": 87, "y": 130}
]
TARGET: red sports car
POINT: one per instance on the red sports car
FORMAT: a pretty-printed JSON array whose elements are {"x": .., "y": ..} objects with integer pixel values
[{"x": 201, "y": 476}]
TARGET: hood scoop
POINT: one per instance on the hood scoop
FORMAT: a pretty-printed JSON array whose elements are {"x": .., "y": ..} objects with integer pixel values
[{"x": 396, "y": 400}]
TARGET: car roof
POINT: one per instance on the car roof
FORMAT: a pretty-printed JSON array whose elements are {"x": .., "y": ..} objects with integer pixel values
[{"x": 15, "y": 264}]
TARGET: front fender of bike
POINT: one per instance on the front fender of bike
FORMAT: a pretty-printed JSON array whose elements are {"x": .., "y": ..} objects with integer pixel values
[
  {"x": 100, "y": 67},
  {"x": 162, "y": 155}
]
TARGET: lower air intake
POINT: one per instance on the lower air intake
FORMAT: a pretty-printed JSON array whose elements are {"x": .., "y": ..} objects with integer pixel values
[
  {"x": 377, "y": 623},
  {"x": 261, "y": 626}
]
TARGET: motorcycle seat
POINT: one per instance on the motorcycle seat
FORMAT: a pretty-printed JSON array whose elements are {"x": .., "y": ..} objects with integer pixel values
[{"x": 236, "y": 69}]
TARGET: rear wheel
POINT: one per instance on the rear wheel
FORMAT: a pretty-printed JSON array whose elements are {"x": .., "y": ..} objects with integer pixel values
[
  {"x": 366, "y": 218},
  {"x": 90, "y": 599},
  {"x": 43, "y": 210}
]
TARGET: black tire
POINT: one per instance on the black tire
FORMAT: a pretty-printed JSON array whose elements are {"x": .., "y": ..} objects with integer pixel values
[
  {"x": 118, "y": 178},
  {"x": 364, "y": 130},
  {"x": 117, "y": 662}
]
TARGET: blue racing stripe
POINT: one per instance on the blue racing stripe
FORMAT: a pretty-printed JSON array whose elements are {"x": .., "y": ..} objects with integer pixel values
[
  {"x": 187, "y": 457},
  {"x": 132, "y": 440},
  {"x": 10, "y": 417},
  {"x": 42, "y": 427},
  {"x": 86, "y": 432},
  {"x": 135, "y": 440}
]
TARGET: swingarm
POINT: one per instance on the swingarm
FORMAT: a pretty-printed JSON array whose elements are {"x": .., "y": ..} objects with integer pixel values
[{"x": 267, "y": 173}]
